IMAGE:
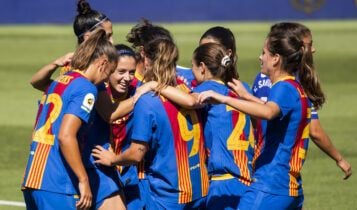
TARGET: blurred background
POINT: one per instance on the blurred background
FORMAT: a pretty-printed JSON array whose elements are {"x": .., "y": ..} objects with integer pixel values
[{"x": 34, "y": 33}]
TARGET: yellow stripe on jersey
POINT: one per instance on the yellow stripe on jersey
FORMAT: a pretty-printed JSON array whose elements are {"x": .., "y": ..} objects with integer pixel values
[
  {"x": 185, "y": 194},
  {"x": 203, "y": 170},
  {"x": 222, "y": 177},
  {"x": 38, "y": 165}
]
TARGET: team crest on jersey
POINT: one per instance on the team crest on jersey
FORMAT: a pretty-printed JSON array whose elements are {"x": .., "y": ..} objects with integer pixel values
[{"x": 88, "y": 102}]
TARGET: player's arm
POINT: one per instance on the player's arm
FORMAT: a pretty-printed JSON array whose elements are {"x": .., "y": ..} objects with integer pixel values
[
  {"x": 178, "y": 96},
  {"x": 69, "y": 147},
  {"x": 42, "y": 78},
  {"x": 323, "y": 141},
  {"x": 133, "y": 155},
  {"x": 110, "y": 111},
  {"x": 268, "y": 111},
  {"x": 186, "y": 100},
  {"x": 238, "y": 87}
]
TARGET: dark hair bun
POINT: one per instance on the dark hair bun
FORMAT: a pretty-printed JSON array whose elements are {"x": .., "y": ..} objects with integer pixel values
[{"x": 83, "y": 7}]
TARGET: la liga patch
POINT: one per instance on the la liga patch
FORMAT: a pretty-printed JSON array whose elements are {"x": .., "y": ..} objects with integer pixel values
[{"x": 88, "y": 102}]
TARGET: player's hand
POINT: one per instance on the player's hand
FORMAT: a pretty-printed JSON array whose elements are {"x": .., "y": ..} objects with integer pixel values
[
  {"x": 345, "y": 167},
  {"x": 103, "y": 156},
  {"x": 146, "y": 87},
  {"x": 210, "y": 96},
  {"x": 85, "y": 201},
  {"x": 64, "y": 60},
  {"x": 238, "y": 87}
]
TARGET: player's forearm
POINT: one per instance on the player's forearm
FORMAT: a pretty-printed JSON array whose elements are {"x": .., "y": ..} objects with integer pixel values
[
  {"x": 180, "y": 97},
  {"x": 133, "y": 155},
  {"x": 42, "y": 78},
  {"x": 70, "y": 150},
  {"x": 263, "y": 111},
  {"x": 110, "y": 111},
  {"x": 250, "y": 97},
  {"x": 324, "y": 143}
]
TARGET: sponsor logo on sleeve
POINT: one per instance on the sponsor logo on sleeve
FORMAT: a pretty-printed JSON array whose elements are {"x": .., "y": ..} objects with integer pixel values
[{"x": 88, "y": 102}]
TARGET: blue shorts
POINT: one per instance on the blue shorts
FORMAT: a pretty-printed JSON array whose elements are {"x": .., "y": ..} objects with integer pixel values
[
  {"x": 40, "y": 199},
  {"x": 225, "y": 194},
  {"x": 158, "y": 204},
  {"x": 258, "y": 200},
  {"x": 104, "y": 183}
]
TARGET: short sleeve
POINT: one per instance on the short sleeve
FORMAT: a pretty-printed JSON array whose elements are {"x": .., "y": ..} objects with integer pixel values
[
  {"x": 143, "y": 119},
  {"x": 285, "y": 96},
  {"x": 314, "y": 114},
  {"x": 82, "y": 97},
  {"x": 202, "y": 87}
]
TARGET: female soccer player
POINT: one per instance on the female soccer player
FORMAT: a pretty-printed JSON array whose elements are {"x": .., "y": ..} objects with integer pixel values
[
  {"x": 86, "y": 21},
  {"x": 277, "y": 180},
  {"x": 119, "y": 87},
  {"x": 141, "y": 34},
  {"x": 261, "y": 89},
  {"x": 169, "y": 137},
  {"x": 231, "y": 149},
  {"x": 103, "y": 179},
  {"x": 55, "y": 175}
]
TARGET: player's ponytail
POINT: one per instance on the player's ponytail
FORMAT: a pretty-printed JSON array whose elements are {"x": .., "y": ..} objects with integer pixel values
[
  {"x": 87, "y": 20},
  {"x": 215, "y": 57},
  {"x": 94, "y": 47},
  {"x": 163, "y": 55},
  {"x": 310, "y": 81}
]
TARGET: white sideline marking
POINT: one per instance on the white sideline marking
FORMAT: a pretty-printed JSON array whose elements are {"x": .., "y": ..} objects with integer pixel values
[{"x": 11, "y": 203}]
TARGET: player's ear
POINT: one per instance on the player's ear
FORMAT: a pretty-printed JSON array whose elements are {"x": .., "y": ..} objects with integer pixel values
[
  {"x": 203, "y": 68},
  {"x": 276, "y": 59},
  {"x": 101, "y": 63}
]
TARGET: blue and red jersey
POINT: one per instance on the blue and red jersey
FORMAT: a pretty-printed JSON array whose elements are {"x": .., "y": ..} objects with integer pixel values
[
  {"x": 187, "y": 76},
  {"x": 285, "y": 141},
  {"x": 121, "y": 130},
  {"x": 46, "y": 168},
  {"x": 261, "y": 89},
  {"x": 228, "y": 136},
  {"x": 175, "y": 161}
]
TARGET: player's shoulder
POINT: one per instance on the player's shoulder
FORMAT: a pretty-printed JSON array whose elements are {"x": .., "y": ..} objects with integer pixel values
[{"x": 178, "y": 67}]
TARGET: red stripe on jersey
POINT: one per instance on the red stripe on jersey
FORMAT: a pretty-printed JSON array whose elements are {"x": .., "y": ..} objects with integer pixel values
[
  {"x": 37, "y": 168},
  {"x": 181, "y": 152},
  {"x": 296, "y": 161},
  {"x": 260, "y": 141}
]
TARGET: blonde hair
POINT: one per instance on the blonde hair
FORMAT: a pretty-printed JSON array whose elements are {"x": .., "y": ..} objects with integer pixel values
[{"x": 163, "y": 54}]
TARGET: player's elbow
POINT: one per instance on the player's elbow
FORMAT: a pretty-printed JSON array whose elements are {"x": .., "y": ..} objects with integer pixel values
[
  {"x": 63, "y": 138},
  {"x": 35, "y": 84},
  {"x": 269, "y": 115}
]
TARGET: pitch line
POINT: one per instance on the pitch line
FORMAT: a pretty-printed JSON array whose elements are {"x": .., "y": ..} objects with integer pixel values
[{"x": 11, "y": 203}]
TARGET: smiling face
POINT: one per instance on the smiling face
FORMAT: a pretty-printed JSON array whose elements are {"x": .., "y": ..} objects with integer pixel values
[{"x": 120, "y": 79}]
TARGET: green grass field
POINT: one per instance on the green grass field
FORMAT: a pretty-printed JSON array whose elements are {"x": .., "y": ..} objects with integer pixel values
[{"x": 24, "y": 49}]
